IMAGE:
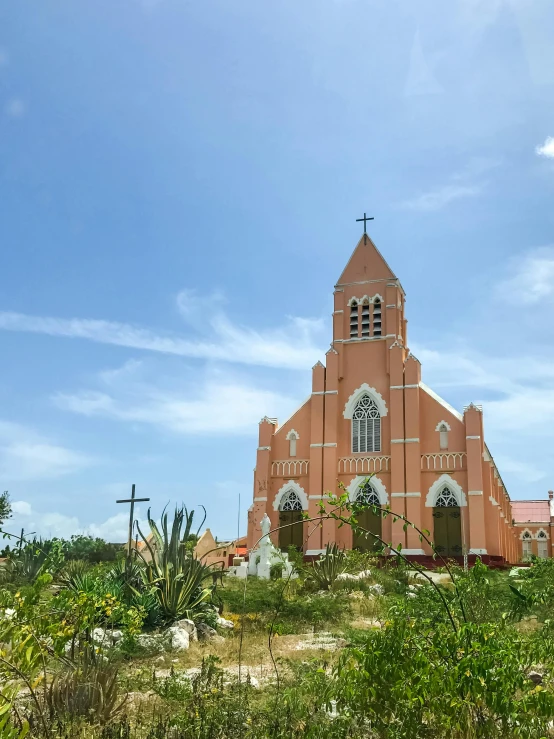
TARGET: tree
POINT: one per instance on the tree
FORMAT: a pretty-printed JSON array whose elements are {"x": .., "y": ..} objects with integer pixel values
[{"x": 5, "y": 507}]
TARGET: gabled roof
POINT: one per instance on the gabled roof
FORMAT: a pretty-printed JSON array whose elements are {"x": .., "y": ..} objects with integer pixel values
[
  {"x": 366, "y": 263},
  {"x": 531, "y": 511}
]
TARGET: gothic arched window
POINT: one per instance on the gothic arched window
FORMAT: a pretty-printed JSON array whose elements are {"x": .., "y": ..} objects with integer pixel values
[
  {"x": 354, "y": 319},
  {"x": 527, "y": 546},
  {"x": 366, "y": 426},
  {"x": 446, "y": 499},
  {"x": 368, "y": 495},
  {"x": 292, "y": 437},
  {"x": 542, "y": 544},
  {"x": 291, "y": 502}
]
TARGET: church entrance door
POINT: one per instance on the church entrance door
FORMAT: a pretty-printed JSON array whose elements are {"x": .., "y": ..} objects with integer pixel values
[
  {"x": 447, "y": 525},
  {"x": 291, "y": 526},
  {"x": 369, "y": 519},
  {"x": 291, "y": 534}
]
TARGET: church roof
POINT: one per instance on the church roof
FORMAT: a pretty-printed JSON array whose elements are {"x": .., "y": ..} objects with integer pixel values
[
  {"x": 366, "y": 263},
  {"x": 531, "y": 511}
]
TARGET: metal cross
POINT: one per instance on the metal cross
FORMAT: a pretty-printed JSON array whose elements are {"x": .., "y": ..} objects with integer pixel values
[
  {"x": 132, "y": 500},
  {"x": 365, "y": 219}
]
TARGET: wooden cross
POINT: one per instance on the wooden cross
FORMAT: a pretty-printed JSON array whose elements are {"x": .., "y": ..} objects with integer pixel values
[
  {"x": 365, "y": 219},
  {"x": 132, "y": 500}
]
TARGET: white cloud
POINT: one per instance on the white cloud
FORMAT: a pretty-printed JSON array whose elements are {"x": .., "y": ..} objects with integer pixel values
[
  {"x": 292, "y": 346},
  {"x": 49, "y": 524},
  {"x": 530, "y": 278},
  {"x": 21, "y": 507},
  {"x": 15, "y": 108},
  {"x": 224, "y": 407},
  {"x": 547, "y": 149},
  {"x": 25, "y": 455}
]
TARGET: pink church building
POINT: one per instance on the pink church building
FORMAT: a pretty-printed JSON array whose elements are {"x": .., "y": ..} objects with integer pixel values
[{"x": 373, "y": 425}]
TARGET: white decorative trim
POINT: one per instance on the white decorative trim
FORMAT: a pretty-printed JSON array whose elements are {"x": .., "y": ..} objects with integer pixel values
[
  {"x": 287, "y": 487},
  {"x": 397, "y": 495},
  {"x": 318, "y": 497},
  {"x": 413, "y": 495},
  {"x": 544, "y": 532},
  {"x": 377, "y": 296},
  {"x": 473, "y": 437},
  {"x": 325, "y": 392},
  {"x": 290, "y": 433},
  {"x": 475, "y": 492},
  {"x": 477, "y": 551},
  {"x": 259, "y": 500},
  {"x": 493, "y": 500},
  {"x": 290, "y": 467},
  {"x": 402, "y": 387},
  {"x": 352, "y": 299},
  {"x": 412, "y": 551},
  {"x": 364, "y": 389},
  {"x": 330, "y": 444},
  {"x": 442, "y": 423},
  {"x": 313, "y": 552},
  {"x": 443, "y": 461},
  {"x": 437, "y": 486},
  {"x": 526, "y": 531},
  {"x": 411, "y": 441},
  {"x": 390, "y": 306},
  {"x": 313, "y": 446},
  {"x": 319, "y": 363},
  {"x": 364, "y": 464},
  {"x": 378, "y": 484},
  {"x": 440, "y": 400},
  {"x": 403, "y": 441},
  {"x": 390, "y": 336},
  {"x": 338, "y": 311},
  {"x": 264, "y": 448}
]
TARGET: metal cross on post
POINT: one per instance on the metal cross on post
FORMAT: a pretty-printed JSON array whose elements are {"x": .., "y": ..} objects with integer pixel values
[
  {"x": 132, "y": 500},
  {"x": 365, "y": 219}
]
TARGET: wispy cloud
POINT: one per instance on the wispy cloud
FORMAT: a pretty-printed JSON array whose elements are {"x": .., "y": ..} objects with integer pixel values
[
  {"x": 224, "y": 408},
  {"x": 467, "y": 183},
  {"x": 26, "y": 455},
  {"x": 292, "y": 346},
  {"x": 546, "y": 149},
  {"x": 530, "y": 278}
]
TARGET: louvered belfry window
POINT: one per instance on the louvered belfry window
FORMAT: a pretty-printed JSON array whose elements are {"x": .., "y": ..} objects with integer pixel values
[{"x": 366, "y": 426}]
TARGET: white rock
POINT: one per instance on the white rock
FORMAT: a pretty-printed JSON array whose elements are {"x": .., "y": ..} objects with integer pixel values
[
  {"x": 377, "y": 589},
  {"x": 224, "y": 623},
  {"x": 180, "y": 640},
  {"x": 152, "y": 642},
  {"x": 189, "y": 627}
]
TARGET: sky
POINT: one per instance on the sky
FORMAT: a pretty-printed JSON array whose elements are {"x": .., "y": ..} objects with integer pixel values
[{"x": 179, "y": 183}]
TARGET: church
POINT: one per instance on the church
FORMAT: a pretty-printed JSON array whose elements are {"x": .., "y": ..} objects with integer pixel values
[{"x": 371, "y": 424}]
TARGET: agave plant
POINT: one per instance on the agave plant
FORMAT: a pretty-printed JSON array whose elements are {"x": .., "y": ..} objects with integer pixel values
[
  {"x": 171, "y": 569},
  {"x": 329, "y": 566}
]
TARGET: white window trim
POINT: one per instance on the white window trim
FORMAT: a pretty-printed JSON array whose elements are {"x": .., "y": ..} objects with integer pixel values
[
  {"x": 287, "y": 487},
  {"x": 545, "y": 532},
  {"x": 442, "y": 423},
  {"x": 449, "y": 482},
  {"x": 290, "y": 433},
  {"x": 526, "y": 531},
  {"x": 377, "y": 483},
  {"x": 364, "y": 389}
]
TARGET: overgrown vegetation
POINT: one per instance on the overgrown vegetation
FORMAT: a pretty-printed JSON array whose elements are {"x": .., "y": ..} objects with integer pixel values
[{"x": 383, "y": 653}]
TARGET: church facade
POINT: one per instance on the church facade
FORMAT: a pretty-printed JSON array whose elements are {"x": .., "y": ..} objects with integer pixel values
[{"x": 371, "y": 424}]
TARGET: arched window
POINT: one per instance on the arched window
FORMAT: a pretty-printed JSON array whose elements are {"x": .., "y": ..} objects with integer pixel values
[
  {"x": 443, "y": 432},
  {"x": 365, "y": 319},
  {"x": 542, "y": 544},
  {"x": 527, "y": 546},
  {"x": 291, "y": 502},
  {"x": 366, "y": 426},
  {"x": 377, "y": 317},
  {"x": 354, "y": 319},
  {"x": 368, "y": 495},
  {"x": 446, "y": 499},
  {"x": 292, "y": 437}
]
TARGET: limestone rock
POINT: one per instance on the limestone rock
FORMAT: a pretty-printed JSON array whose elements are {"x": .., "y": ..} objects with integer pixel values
[
  {"x": 225, "y": 623},
  {"x": 189, "y": 627},
  {"x": 179, "y": 638},
  {"x": 206, "y": 633}
]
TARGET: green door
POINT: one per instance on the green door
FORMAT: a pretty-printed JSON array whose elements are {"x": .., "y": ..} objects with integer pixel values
[
  {"x": 290, "y": 535},
  {"x": 447, "y": 531},
  {"x": 369, "y": 519}
]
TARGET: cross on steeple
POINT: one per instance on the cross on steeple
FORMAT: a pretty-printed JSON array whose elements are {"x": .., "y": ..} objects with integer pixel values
[{"x": 365, "y": 219}]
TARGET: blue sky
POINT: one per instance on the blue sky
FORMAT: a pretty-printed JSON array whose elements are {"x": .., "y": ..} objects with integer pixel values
[{"x": 179, "y": 183}]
